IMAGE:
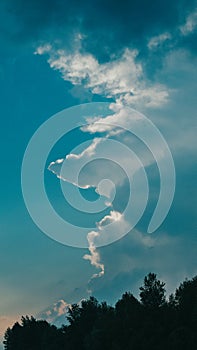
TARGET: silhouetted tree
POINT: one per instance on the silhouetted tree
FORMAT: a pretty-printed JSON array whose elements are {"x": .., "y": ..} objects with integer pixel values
[
  {"x": 186, "y": 303},
  {"x": 149, "y": 324},
  {"x": 103, "y": 330},
  {"x": 74, "y": 313},
  {"x": 153, "y": 292},
  {"x": 128, "y": 319},
  {"x": 32, "y": 335}
]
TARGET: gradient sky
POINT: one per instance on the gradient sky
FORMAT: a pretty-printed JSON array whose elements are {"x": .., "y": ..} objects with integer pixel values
[{"x": 154, "y": 44}]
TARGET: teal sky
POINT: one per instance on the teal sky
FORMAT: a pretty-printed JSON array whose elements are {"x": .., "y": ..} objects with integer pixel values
[{"x": 82, "y": 54}]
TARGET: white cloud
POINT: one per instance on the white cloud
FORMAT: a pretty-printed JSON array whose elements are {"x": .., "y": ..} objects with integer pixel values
[
  {"x": 122, "y": 78},
  {"x": 115, "y": 150},
  {"x": 158, "y": 40},
  {"x": 120, "y": 115},
  {"x": 113, "y": 216},
  {"x": 95, "y": 236},
  {"x": 89, "y": 151},
  {"x": 43, "y": 49},
  {"x": 151, "y": 97},
  {"x": 190, "y": 24},
  {"x": 136, "y": 123},
  {"x": 137, "y": 254},
  {"x": 68, "y": 169},
  {"x": 94, "y": 256}
]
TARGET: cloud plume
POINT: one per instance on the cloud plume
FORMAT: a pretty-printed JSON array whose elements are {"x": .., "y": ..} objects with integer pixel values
[
  {"x": 94, "y": 256},
  {"x": 93, "y": 236}
]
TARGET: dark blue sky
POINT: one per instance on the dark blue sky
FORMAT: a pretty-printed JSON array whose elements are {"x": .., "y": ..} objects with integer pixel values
[{"x": 85, "y": 52}]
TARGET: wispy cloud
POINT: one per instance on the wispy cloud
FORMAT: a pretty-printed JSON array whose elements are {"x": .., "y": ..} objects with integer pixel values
[
  {"x": 190, "y": 24},
  {"x": 56, "y": 314},
  {"x": 122, "y": 78},
  {"x": 158, "y": 40}
]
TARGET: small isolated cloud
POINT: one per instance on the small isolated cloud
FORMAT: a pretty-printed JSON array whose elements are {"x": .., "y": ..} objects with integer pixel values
[
  {"x": 158, "y": 40},
  {"x": 190, "y": 24},
  {"x": 43, "y": 49}
]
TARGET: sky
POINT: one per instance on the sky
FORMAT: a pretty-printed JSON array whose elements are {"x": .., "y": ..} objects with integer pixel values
[{"x": 134, "y": 66}]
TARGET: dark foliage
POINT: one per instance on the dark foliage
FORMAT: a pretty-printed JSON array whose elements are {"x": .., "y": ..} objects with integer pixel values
[
  {"x": 151, "y": 323},
  {"x": 153, "y": 292}
]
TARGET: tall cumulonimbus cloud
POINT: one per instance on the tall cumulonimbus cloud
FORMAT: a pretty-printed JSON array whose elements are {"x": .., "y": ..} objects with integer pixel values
[
  {"x": 68, "y": 169},
  {"x": 123, "y": 80}
]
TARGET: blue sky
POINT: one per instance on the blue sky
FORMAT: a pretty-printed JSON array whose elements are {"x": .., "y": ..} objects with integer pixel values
[{"x": 55, "y": 55}]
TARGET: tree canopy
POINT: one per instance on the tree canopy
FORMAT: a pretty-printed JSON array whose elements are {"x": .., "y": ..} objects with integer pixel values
[
  {"x": 153, "y": 322},
  {"x": 153, "y": 292}
]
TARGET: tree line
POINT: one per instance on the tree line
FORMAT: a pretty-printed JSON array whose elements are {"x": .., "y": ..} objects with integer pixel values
[{"x": 152, "y": 322}]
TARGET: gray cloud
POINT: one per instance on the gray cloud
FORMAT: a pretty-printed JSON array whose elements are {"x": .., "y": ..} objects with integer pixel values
[{"x": 114, "y": 24}]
